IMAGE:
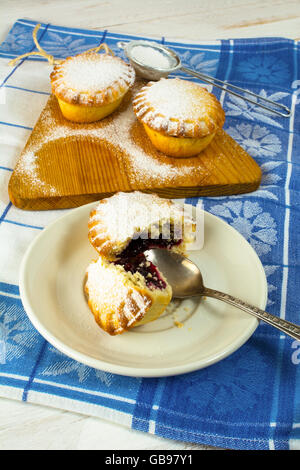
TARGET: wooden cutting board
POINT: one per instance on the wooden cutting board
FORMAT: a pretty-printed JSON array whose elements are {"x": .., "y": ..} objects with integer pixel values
[{"x": 65, "y": 164}]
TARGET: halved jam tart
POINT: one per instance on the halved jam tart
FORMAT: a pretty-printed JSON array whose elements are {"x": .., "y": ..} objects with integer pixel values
[
  {"x": 125, "y": 289},
  {"x": 127, "y": 224}
]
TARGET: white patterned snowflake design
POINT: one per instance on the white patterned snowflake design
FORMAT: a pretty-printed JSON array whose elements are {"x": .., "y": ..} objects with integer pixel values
[
  {"x": 2, "y": 346},
  {"x": 17, "y": 332},
  {"x": 269, "y": 181},
  {"x": 235, "y": 106},
  {"x": 268, "y": 185},
  {"x": 264, "y": 68},
  {"x": 19, "y": 40},
  {"x": 230, "y": 382},
  {"x": 269, "y": 177},
  {"x": 68, "y": 366},
  {"x": 62, "y": 45},
  {"x": 270, "y": 270},
  {"x": 257, "y": 140},
  {"x": 248, "y": 218},
  {"x": 198, "y": 62}
]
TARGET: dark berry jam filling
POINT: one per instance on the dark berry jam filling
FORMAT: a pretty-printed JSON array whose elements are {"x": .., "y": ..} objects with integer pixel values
[
  {"x": 133, "y": 259},
  {"x": 147, "y": 269},
  {"x": 140, "y": 245}
]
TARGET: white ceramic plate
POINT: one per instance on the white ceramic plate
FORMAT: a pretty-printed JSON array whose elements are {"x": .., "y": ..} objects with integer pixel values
[{"x": 51, "y": 285}]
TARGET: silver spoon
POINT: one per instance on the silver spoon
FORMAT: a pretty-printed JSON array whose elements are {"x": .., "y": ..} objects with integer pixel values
[
  {"x": 150, "y": 72},
  {"x": 186, "y": 281}
]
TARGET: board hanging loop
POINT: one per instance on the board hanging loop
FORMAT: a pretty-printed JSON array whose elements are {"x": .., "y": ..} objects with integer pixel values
[{"x": 52, "y": 61}]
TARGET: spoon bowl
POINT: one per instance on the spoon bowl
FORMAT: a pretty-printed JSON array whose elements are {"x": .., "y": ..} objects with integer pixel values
[{"x": 182, "y": 274}]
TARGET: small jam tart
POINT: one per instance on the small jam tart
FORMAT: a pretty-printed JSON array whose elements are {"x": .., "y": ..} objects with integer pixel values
[
  {"x": 123, "y": 288},
  {"x": 180, "y": 117},
  {"x": 90, "y": 86},
  {"x": 127, "y": 224},
  {"x": 123, "y": 295}
]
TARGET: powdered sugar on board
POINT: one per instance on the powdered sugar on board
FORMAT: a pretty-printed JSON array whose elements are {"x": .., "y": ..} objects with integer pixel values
[
  {"x": 27, "y": 166},
  {"x": 143, "y": 165}
]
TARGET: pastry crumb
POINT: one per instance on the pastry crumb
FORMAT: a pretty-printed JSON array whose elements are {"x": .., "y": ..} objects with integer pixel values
[{"x": 178, "y": 324}]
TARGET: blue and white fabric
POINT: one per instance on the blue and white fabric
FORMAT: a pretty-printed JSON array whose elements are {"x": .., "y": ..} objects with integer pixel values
[{"x": 251, "y": 400}]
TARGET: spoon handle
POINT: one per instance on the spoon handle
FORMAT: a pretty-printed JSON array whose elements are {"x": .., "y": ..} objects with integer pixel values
[
  {"x": 280, "y": 109},
  {"x": 285, "y": 326}
]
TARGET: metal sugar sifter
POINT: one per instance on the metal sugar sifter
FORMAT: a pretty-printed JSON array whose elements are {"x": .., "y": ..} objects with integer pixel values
[{"x": 154, "y": 61}]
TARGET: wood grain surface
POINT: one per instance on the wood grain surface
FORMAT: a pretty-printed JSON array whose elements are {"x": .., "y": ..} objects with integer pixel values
[
  {"x": 192, "y": 20},
  {"x": 65, "y": 164}
]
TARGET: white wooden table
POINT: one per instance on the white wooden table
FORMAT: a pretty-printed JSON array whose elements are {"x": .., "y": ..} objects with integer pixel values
[{"x": 26, "y": 426}]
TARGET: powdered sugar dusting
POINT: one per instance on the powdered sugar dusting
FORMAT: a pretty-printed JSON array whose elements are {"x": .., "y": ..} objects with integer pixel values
[
  {"x": 92, "y": 78},
  {"x": 151, "y": 57},
  {"x": 179, "y": 108},
  {"x": 84, "y": 74},
  {"x": 144, "y": 167},
  {"x": 126, "y": 216},
  {"x": 110, "y": 289},
  {"x": 176, "y": 99},
  {"x": 101, "y": 277},
  {"x": 28, "y": 168}
]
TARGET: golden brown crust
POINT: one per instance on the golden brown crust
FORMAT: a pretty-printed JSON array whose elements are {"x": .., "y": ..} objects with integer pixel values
[
  {"x": 119, "y": 299},
  {"x": 116, "y": 220},
  {"x": 100, "y": 241},
  {"x": 113, "y": 320},
  {"x": 117, "y": 81},
  {"x": 178, "y": 108}
]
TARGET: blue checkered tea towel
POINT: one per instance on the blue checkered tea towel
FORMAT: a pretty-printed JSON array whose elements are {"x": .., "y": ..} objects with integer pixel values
[{"x": 251, "y": 400}]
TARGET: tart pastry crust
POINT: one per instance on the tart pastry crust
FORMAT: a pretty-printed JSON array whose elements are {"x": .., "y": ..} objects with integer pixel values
[
  {"x": 123, "y": 288},
  {"x": 180, "y": 117},
  {"x": 117, "y": 220},
  {"x": 91, "y": 79},
  {"x": 178, "y": 108},
  {"x": 90, "y": 86},
  {"x": 120, "y": 300}
]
